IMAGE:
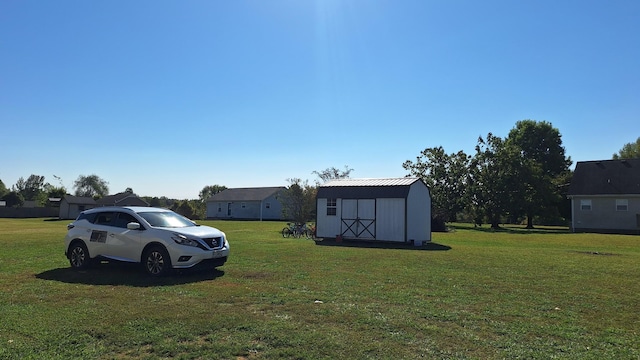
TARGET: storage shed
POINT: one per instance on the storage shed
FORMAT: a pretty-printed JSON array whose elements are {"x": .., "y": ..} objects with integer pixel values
[{"x": 392, "y": 209}]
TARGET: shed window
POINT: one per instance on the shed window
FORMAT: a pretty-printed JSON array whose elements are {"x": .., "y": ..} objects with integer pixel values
[
  {"x": 331, "y": 207},
  {"x": 243, "y": 205},
  {"x": 267, "y": 205},
  {"x": 622, "y": 205},
  {"x": 585, "y": 205}
]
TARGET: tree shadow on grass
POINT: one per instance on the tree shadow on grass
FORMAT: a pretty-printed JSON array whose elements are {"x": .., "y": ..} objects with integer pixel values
[
  {"x": 515, "y": 229},
  {"x": 128, "y": 274},
  {"x": 429, "y": 246}
]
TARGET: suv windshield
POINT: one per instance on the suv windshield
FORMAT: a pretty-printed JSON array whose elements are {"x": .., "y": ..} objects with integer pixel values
[{"x": 166, "y": 219}]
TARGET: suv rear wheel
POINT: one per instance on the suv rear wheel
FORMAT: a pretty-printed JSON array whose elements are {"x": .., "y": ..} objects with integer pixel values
[{"x": 156, "y": 261}]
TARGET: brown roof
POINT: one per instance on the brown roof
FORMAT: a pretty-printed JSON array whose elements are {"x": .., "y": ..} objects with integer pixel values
[{"x": 606, "y": 177}]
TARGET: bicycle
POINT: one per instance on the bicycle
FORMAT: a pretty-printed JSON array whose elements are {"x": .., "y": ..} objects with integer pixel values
[
  {"x": 298, "y": 230},
  {"x": 292, "y": 229},
  {"x": 309, "y": 232}
]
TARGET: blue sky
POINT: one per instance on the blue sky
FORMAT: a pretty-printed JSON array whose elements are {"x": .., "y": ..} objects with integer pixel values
[{"x": 167, "y": 97}]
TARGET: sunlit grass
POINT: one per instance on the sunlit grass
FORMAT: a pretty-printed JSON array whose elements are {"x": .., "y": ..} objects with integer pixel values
[{"x": 481, "y": 294}]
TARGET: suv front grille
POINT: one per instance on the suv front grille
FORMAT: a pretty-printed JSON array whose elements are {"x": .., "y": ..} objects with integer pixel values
[{"x": 214, "y": 243}]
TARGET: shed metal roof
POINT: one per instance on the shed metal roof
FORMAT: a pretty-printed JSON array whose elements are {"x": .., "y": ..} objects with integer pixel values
[
  {"x": 371, "y": 182},
  {"x": 367, "y": 188}
]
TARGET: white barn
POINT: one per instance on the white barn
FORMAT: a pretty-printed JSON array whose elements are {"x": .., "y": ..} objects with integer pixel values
[{"x": 394, "y": 209}]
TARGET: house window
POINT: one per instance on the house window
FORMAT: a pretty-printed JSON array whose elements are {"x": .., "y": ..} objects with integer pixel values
[
  {"x": 585, "y": 205},
  {"x": 243, "y": 205},
  {"x": 267, "y": 205},
  {"x": 622, "y": 205},
  {"x": 331, "y": 207},
  {"x": 219, "y": 207}
]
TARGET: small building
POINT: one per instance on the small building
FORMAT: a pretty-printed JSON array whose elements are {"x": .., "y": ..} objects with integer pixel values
[
  {"x": 260, "y": 203},
  {"x": 393, "y": 209},
  {"x": 605, "y": 196},
  {"x": 71, "y": 206}
]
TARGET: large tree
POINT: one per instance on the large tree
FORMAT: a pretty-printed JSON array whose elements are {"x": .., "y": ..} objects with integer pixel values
[
  {"x": 31, "y": 189},
  {"x": 13, "y": 199},
  {"x": 91, "y": 186},
  {"x": 542, "y": 161},
  {"x": 3, "y": 189},
  {"x": 210, "y": 190},
  {"x": 55, "y": 191},
  {"x": 629, "y": 151},
  {"x": 332, "y": 173},
  {"x": 298, "y": 201},
  {"x": 492, "y": 180},
  {"x": 446, "y": 176}
]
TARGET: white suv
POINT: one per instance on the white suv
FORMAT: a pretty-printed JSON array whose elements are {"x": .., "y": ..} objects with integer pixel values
[{"x": 158, "y": 238}]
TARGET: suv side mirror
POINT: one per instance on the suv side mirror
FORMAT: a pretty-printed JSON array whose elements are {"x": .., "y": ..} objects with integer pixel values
[{"x": 133, "y": 226}]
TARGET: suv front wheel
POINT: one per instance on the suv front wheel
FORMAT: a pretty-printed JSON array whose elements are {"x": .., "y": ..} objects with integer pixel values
[
  {"x": 79, "y": 256},
  {"x": 156, "y": 261}
]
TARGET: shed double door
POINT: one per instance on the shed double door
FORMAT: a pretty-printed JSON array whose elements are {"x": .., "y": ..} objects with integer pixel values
[{"x": 359, "y": 218}]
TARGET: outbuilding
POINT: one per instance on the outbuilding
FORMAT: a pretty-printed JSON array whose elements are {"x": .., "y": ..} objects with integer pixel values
[
  {"x": 390, "y": 209},
  {"x": 71, "y": 206}
]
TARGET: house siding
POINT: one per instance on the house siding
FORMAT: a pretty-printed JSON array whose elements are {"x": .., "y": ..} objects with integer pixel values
[
  {"x": 252, "y": 210},
  {"x": 604, "y": 217}
]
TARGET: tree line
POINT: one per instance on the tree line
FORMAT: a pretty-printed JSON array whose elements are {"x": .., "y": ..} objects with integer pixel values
[
  {"x": 524, "y": 176},
  {"x": 35, "y": 189}
]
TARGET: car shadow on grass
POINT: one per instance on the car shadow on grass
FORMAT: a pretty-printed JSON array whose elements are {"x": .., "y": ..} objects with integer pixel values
[
  {"x": 128, "y": 274},
  {"x": 429, "y": 246}
]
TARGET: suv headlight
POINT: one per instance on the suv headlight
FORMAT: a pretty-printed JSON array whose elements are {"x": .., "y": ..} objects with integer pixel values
[{"x": 183, "y": 240}]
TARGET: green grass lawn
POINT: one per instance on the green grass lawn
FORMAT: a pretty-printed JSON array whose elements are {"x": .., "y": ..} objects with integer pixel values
[{"x": 474, "y": 294}]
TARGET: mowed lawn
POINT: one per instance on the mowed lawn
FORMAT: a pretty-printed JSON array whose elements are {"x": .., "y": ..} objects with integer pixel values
[{"x": 473, "y": 294}]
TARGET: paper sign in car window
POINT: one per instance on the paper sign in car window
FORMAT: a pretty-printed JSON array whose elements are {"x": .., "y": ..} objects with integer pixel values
[{"x": 99, "y": 236}]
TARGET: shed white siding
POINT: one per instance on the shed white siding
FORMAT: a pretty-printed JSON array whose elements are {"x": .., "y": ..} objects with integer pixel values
[
  {"x": 329, "y": 225},
  {"x": 390, "y": 216},
  {"x": 418, "y": 214}
]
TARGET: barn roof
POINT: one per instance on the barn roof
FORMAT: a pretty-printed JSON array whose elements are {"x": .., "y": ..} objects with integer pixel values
[
  {"x": 606, "y": 177},
  {"x": 367, "y": 188},
  {"x": 245, "y": 194},
  {"x": 371, "y": 182}
]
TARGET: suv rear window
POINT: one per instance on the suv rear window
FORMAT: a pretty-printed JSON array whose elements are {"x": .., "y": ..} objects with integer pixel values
[
  {"x": 104, "y": 218},
  {"x": 89, "y": 217}
]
